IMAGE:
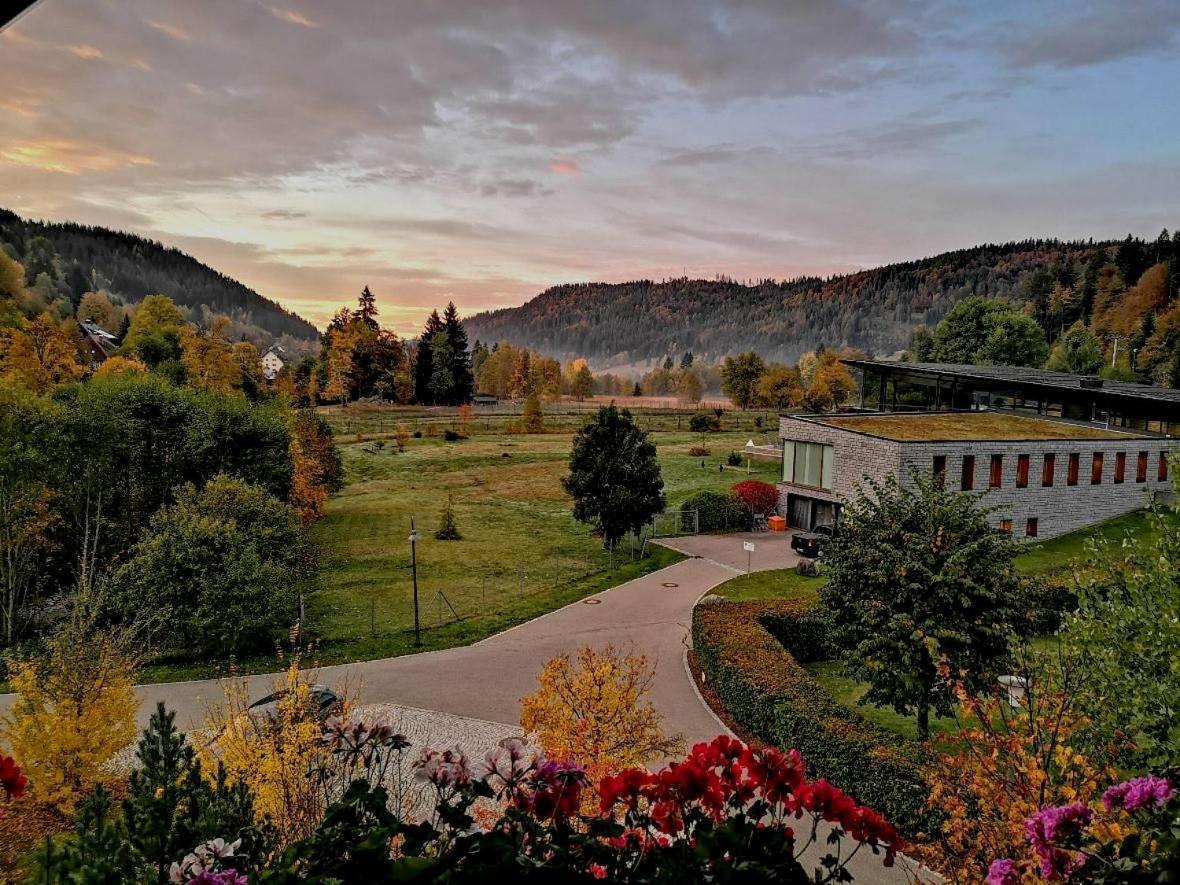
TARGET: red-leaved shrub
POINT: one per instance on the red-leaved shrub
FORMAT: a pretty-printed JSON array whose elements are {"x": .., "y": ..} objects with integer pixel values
[{"x": 760, "y": 497}]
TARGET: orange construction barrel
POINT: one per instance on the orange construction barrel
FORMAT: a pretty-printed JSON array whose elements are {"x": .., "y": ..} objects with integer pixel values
[{"x": 777, "y": 523}]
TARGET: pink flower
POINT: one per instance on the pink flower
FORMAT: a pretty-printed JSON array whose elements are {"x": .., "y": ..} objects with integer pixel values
[
  {"x": 1003, "y": 872},
  {"x": 1150, "y": 792},
  {"x": 1049, "y": 826}
]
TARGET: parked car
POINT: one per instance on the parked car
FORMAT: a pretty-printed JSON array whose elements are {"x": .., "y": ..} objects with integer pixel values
[
  {"x": 811, "y": 544},
  {"x": 326, "y": 703}
]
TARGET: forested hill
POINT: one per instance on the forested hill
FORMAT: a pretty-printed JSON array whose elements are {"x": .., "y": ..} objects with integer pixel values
[
  {"x": 614, "y": 324},
  {"x": 68, "y": 260}
]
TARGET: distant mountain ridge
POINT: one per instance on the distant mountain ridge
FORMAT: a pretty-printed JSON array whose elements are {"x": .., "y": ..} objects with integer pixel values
[
  {"x": 628, "y": 324},
  {"x": 86, "y": 258}
]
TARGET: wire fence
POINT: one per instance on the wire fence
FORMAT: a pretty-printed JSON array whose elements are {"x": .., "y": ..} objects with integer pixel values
[
  {"x": 368, "y": 421},
  {"x": 498, "y": 589}
]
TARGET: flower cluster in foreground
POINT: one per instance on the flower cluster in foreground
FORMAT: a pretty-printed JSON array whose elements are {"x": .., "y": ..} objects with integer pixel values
[{"x": 1065, "y": 849}]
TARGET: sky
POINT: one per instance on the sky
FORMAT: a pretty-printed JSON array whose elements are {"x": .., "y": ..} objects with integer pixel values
[{"x": 481, "y": 151}]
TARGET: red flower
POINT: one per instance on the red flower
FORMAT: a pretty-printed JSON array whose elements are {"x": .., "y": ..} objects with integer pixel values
[{"x": 12, "y": 779}]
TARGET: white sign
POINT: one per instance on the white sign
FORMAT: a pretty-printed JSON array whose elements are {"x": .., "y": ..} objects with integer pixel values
[{"x": 748, "y": 546}]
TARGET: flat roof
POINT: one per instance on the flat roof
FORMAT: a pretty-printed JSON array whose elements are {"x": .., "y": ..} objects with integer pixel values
[
  {"x": 1022, "y": 376},
  {"x": 964, "y": 426}
]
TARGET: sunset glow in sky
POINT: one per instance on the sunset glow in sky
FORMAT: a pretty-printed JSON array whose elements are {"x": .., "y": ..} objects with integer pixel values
[{"x": 482, "y": 151}]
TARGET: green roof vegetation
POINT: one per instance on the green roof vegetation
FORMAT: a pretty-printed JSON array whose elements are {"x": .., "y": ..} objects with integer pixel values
[{"x": 950, "y": 426}]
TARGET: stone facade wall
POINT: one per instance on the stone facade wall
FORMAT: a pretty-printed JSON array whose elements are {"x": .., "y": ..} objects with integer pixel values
[
  {"x": 1058, "y": 509},
  {"x": 856, "y": 456}
]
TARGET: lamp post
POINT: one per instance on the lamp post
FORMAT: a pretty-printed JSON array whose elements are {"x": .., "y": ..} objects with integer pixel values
[{"x": 414, "y": 568}]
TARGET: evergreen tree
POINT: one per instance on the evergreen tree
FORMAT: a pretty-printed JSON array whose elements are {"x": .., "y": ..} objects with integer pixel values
[
  {"x": 423, "y": 367},
  {"x": 366, "y": 310},
  {"x": 668, "y": 364},
  {"x": 124, "y": 327},
  {"x": 462, "y": 379},
  {"x": 686, "y": 360}
]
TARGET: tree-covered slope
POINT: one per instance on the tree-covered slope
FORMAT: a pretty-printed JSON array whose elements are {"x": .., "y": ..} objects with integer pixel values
[
  {"x": 627, "y": 323},
  {"x": 64, "y": 261}
]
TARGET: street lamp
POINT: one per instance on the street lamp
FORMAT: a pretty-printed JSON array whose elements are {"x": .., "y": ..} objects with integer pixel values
[{"x": 414, "y": 568}]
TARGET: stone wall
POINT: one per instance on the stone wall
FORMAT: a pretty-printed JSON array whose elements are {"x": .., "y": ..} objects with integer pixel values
[{"x": 1058, "y": 509}]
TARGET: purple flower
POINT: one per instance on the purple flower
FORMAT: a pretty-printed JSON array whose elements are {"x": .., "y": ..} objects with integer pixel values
[
  {"x": 224, "y": 877},
  {"x": 1003, "y": 872},
  {"x": 1150, "y": 792}
]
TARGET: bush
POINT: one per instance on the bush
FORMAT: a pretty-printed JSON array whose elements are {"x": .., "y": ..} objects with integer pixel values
[
  {"x": 733, "y": 459},
  {"x": 699, "y": 452},
  {"x": 220, "y": 570},
  {"x": 760, "y": 497},
  {"x": 703, "y": 422},
  {"x": 417, "y": 434},
  {"x": 808, "y": 568},
  {"x": 720, "y": 512},
  {"x": 769, "y": 693},
  {"x": 447, "y": 529},
  {"x": 453, "y": 435}
]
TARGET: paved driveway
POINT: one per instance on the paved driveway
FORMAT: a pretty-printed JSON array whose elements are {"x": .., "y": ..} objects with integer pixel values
[{"x": 772, "y": 550}]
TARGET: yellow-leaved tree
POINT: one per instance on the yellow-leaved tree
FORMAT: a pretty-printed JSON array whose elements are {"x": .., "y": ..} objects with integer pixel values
[
  {"x": 209, "y": 358},
  {"x": 74, "y": 710},
  {"x": 278, "y": 752},
  {"x": 40, "y": 355},
  {"x": 119, "y": 365},
  {"x": 593, "y": 708}
]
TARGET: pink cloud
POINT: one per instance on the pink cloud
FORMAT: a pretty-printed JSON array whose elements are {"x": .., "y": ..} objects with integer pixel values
[{"x": 565, "y": 167}]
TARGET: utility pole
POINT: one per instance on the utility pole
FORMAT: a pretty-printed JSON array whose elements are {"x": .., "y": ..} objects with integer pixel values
[{"x": 414, "y": 569}]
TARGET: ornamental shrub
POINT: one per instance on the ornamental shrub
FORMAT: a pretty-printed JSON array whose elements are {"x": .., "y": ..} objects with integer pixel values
[
  {"x": 769, "y": 693},
  {"x": 699, "y": 451},
  {"x": 760, "y": 497},
  {"x": 720, "y": 512},
  {"x": 220, "y": 571},
  {"x": 703, "y": 422}
]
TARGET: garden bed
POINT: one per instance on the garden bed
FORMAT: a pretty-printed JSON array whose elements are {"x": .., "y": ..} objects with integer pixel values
[{"x": 752, "y": 655}]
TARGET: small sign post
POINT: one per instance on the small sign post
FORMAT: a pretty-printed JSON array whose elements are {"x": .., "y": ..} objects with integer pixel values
[{"x": 748, "y": 546}]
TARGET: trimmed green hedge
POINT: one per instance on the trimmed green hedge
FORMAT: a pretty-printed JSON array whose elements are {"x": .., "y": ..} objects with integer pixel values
[
  {"x": 720, "y": 512},
  {"x": 743, "y": 649}
]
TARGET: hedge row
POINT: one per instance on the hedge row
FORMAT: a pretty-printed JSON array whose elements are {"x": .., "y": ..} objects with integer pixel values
[
  {"x": 771, "y": 695},
  {"x": 719, "y": 512}
]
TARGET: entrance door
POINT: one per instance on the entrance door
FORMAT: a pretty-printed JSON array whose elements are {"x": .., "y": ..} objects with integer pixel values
[{"x": 799, "y": 512}]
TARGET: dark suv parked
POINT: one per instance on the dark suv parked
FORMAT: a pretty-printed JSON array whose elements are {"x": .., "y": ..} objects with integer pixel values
[{"x": 811, "y": 544}]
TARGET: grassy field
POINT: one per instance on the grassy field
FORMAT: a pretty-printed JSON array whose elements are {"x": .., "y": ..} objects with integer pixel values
[{"x": 522, "y": 554}]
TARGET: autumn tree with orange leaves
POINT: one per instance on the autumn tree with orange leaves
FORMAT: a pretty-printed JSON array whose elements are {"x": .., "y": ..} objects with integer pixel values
[
  {"x": 1006, "y": 762},
  {"x": 593, "y": 707},
  {"x": 315, "y": 461}
]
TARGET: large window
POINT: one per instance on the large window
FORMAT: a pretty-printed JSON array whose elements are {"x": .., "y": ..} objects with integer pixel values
[
  {"x": 1071, "y": 477},
  {"x": 1096, "y": 469},
  {"x": 807, "y": 464},
  {"x": 939, "y": 470},
  {"x": 1022, "y": 471},
  {"x": 1161, "y": 471},
  {"x": 1047, "y": 470},
  {"x": 1141, "y": 468}
]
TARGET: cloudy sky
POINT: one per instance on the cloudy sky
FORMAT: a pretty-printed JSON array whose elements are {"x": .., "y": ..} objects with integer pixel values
[{"x": 482, "y": 150}]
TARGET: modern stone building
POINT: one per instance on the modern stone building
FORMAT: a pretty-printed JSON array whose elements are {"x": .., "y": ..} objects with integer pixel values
[{"x": 1044, "y": 476}]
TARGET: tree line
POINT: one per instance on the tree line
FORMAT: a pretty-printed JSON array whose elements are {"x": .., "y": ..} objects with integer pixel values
[
  {"x": 1113, "y": 311},
  {"x": 65, "y": 262},
  {"x": 871, "y": 310}
]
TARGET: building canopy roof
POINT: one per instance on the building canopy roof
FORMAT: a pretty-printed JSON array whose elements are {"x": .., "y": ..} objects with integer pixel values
[{"x": 1022, "y": 376}]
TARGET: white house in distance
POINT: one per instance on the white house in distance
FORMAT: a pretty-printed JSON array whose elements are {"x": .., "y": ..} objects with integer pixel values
[{"x": 272, "y": 361}]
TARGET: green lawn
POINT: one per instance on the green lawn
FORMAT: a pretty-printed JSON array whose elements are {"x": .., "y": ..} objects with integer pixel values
[
  {"x": 848, "y": 691},
  {"x": 779, "y": 584},
  {"x": 522, "y": 554},
  {"x": 1069, "y": 551}
]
